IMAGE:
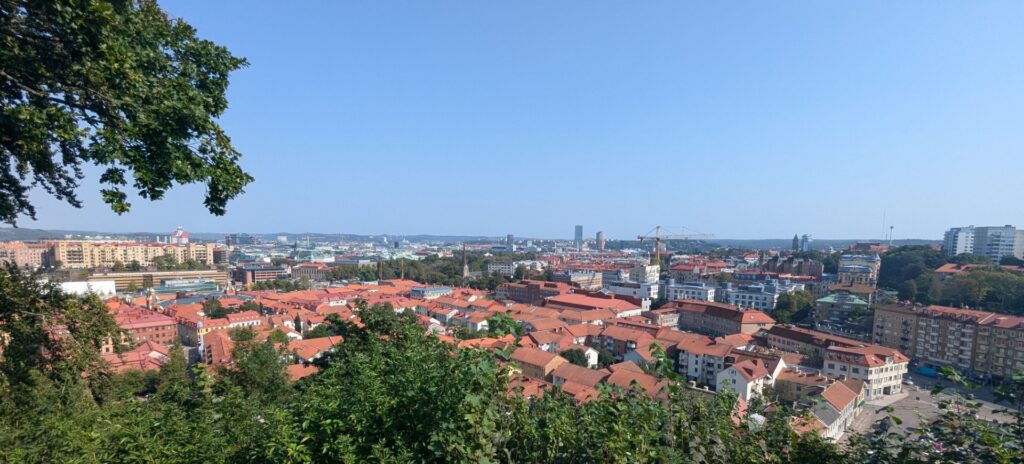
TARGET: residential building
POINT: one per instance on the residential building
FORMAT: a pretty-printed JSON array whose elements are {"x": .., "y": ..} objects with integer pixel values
[
  {"x": 698, "y": 291},
  {"x": 26, "y": 255},
  {"x": 643, "y": 290},
  {"x": 532, "y": 292},
  {"x": 838, "y": 306},
  {"x": 141, "y": 326},
  {"x": 645, "y": 273},
  {"x": 761, "y": 296},
  {"x": 993, "y": 242},
  {"x": 600, "y": 241},
  {"x": 574, "y": 301},
  {"x": 986, "y": 344},
  {"x": 793, "y": 266},
  {"x": 89, "y": 255},
  {"x": 537, "y": 363},
  {"x": 621, "y": 340},
  {"x": 808, "y": 342},
  {"x": 570, "y": 373},
  {"x": 747, "y": 378},
  {"x": 587, "y": 280},
  {"x": 880, "y": 368},
  {"x": 507, "y": 269},
  {"x": 717, "y": 319},
  {"x": 701, "y": 358}
]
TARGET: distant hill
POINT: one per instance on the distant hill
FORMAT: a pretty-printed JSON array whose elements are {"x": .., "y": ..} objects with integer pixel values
[{"x": 10, "y": 234}]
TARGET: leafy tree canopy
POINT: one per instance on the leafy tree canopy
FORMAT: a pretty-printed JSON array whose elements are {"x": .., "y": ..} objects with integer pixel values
[{"x": 116, "y": 84}]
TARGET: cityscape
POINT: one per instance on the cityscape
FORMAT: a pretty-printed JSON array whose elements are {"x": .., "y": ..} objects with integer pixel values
[{"x": 188, "y": 273}]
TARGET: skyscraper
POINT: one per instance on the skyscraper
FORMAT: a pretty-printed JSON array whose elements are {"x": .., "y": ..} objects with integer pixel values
[
  {"x": 510, "y": 242},
  {"x": 805, "y": 242},
  {"x": 600, "y": 240},
  {"x": 578, "y": 241}
]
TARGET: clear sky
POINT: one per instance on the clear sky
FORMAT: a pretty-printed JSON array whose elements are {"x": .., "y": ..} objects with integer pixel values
[{"x": 743, "y": 119}]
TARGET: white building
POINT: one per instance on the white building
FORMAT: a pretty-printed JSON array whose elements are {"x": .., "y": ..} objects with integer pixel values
[
  {"x": 644, "y": 290},
  {"x": 689, "y": 291},
  {"x": 645, "y": 273},
  {"x": 760, "y": 296},
  {"x": 747, "y": 378},
  {"x": 993, "y": 243},
  {"x": 880, "y": 368},
  {"x": 507, "y": 269},
  {"x": 100, "y": 288}
]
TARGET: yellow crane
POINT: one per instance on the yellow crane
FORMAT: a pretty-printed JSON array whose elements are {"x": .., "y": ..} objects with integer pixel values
[{"x": 658, "y": 237}]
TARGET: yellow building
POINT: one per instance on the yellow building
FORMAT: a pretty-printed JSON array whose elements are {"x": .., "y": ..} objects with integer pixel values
[{"x": 81, "y": 255}]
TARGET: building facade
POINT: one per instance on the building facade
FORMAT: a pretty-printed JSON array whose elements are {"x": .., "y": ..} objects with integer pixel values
[
  {"x": 989, "y": 345},
  {"x": 26, "y": 255},
  {"x": 858, "y": 269},
  {"x": 85, "y": 255}
]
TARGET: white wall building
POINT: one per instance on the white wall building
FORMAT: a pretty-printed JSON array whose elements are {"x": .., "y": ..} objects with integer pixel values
[
  {"x": 100, "y": 288},
  {"x": 689, "y": 291},
  {"x": 507, "y": 269},
  {"x": 645, "y": 290},
  {"x": 760, "y": 296},
  {"x": 992, "y": 242}
]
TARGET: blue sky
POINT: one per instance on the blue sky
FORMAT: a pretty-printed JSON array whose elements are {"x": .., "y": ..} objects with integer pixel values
[{"x": 743, "y": 119}]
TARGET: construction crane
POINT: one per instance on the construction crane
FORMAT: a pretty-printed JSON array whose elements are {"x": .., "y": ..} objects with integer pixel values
[{"x": 657, "y": 237}]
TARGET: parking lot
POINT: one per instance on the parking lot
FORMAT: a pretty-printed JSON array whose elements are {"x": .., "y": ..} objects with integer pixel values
[{"x": 917, "y": 404}]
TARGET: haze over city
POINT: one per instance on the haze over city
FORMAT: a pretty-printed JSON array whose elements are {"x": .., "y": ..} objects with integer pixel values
[{"x": 744, "y": 120}]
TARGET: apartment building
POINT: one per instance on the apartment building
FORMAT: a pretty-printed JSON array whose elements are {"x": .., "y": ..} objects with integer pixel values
[
  {"x": 992, "y": 242},
  {"x": 26, "y": 255},
  {"x": 987, "y": 344},
  {"x": 587, "y": 280},
  {"x": 83, "y": 255},
  {"x": 717, "y": 319},
  {"x": 698, "y": 291},
  {"x": 880, "y": 368},
  {"x": 643, "y": 290},
  {"x": 761, "y": 296},
  {"x": 141, "y": 326},
  {"x": 507, "y": 269},
  {"x": 532, "y": 292},
  {"x": 645, "y": 273}
]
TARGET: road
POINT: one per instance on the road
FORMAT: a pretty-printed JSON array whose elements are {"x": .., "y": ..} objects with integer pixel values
[{"x": 916, "y": 403}]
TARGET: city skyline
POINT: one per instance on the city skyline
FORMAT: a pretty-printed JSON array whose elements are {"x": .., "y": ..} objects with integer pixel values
[{"x": 750, "y": 121}]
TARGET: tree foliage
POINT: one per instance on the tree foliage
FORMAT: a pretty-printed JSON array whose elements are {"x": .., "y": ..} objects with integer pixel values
[
  {"x": 116, "y": 84},
  {"x": 575, "y": 356},
  {"x": 794, "y": 307}
]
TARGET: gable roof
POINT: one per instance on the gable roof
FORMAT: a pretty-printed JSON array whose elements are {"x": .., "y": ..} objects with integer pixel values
[
  {"x": 580, "y": 375},
  {"x": 535, "y": 357},
  {"x": 751, "y": 369}
]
